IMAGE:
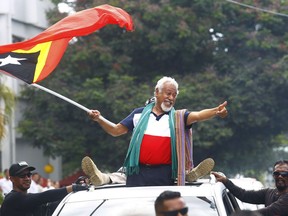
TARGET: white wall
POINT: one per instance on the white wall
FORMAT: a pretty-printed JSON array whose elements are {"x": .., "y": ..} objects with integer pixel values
[{"x": 24, "y": 19}]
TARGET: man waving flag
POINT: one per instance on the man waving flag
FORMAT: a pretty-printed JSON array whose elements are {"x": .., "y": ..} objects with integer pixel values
[{"x": 33, "y": 60}]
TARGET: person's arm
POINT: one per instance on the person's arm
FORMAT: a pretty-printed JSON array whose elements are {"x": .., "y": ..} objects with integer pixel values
[
  {"x": 69, "y": 189},
  {"x": 279, "y": 207},
  {"x": 108, "y": 126},
  {"x": 249, "y": 196},
  {"x": 32, "y": 200},
  {"x": 207, "y": 114}
]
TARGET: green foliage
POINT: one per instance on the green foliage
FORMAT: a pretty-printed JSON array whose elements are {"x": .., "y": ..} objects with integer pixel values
[
  {"x": 1, "y": 198},
  {"x": 8, "y": 99},
  {"x": 216, "y": 50}
]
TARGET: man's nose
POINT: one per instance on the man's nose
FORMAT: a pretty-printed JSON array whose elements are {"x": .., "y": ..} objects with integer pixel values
[{"x": 171, "y": 97}]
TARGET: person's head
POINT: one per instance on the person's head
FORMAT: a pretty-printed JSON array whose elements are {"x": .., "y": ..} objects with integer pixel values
[
  {"x": 166, "y": 91},
  {"x": 20, "y": 175},
  {"x": 36, "y": 177},
  {"x": 6, "y": 173},
  {"x": 170, "y": 203},
  {"x": 280, "y": 174},
  {"x": 245, "y": 213}
]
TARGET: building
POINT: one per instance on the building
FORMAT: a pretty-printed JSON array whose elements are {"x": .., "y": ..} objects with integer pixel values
[{"x": 21, "y": 20}]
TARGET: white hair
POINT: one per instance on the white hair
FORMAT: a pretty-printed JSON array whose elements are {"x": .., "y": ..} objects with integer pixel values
[{"x": 163, "y": 80}]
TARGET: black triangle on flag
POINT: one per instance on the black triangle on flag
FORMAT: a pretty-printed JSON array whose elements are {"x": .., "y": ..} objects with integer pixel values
[{"x": 20, "y": 65}]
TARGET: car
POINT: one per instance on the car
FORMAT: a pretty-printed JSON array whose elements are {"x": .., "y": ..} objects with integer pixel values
[{"x": 205, "y": 197}]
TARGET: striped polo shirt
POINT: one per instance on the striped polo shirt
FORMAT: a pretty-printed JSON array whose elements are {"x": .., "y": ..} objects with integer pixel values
[{"x": 156, "y": 144}]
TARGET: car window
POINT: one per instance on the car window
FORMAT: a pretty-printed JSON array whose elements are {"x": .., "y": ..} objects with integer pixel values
[
  {"x": 229, "y": 203},
  {"x": 233, "y": 201}
]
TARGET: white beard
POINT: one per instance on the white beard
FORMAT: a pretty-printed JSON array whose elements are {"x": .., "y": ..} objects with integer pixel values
[{"x": 165, "y": 108}]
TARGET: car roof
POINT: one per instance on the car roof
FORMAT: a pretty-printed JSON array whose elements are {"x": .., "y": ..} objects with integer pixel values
[{"x": 121, "y": 191}]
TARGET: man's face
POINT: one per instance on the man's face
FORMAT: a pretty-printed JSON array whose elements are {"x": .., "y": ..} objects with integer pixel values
[
  {"x": 281, "y": 180},
  {"x": 22, "y": 181},
  {"x": 167, "y": 97},
  {"x": 173, "y": 207}
]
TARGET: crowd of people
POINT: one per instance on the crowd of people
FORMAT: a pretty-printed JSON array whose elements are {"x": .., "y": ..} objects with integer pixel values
[{"x": 5, "y": 183}]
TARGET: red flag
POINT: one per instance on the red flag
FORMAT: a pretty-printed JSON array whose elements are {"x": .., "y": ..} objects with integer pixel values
[{"x": 33, "y": 60}]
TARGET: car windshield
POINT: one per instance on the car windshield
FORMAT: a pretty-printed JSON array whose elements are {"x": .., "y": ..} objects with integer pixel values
[{"x": 198, "y": 206}]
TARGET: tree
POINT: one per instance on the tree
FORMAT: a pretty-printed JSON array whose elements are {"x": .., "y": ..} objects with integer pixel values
[
  {"x": 216, "y": 51},
  {"x": 7, "y": 97}
]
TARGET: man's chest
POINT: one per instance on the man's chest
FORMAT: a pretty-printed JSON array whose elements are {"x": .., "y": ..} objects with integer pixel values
[{"x": 157, "y": 126}]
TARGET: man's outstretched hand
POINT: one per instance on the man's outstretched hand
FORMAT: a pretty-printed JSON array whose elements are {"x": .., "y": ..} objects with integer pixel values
[{"x": 222, "y": 111}]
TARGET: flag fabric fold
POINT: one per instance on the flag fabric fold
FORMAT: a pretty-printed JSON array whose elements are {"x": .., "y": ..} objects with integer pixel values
[{"x": 33, "y": 60}]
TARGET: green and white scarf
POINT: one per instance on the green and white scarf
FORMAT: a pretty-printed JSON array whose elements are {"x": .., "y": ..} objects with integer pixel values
[{"x": 131, "y": 162}]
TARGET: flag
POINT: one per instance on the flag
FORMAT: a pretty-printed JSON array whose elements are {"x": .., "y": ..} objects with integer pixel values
[{"x": 33, "y": 60}]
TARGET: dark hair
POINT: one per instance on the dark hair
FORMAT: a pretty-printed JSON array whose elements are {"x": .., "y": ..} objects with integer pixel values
[
  {"x": 281, "y": 162},
  {"x": 165, "y": 195}
]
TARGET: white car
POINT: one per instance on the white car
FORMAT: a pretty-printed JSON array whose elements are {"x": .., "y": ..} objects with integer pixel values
[{"x": 203, "y": 198}]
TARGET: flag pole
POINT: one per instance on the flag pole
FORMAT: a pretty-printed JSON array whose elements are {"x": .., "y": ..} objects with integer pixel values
[{"x": 62, "y": 97}]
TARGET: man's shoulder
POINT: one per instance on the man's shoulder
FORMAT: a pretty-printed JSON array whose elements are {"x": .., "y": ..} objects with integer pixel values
[
  {"x": 8, "y": 206},
  {"x": 138, "y": 110},
  {"x": 13, "y": 194}
]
